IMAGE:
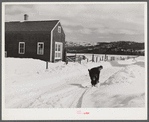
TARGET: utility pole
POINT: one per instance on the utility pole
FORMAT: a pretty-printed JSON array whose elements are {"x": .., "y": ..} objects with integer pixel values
[{"x": 46, "y": 64}]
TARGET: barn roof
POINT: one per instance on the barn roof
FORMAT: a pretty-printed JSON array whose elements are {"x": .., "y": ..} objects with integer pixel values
[{"x": 31, "y": 25}]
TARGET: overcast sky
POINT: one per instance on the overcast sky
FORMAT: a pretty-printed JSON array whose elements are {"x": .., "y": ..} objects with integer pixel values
[{"x": 88, "y": 22}]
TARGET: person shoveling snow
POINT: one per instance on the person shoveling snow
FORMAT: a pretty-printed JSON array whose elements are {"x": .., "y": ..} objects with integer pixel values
[{"x": 94, "y": 75}]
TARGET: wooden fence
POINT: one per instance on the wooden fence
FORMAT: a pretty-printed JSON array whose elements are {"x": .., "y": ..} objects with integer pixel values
[
  {"x": 95, "y": 58},
  {"x": 75, "y": 58}
]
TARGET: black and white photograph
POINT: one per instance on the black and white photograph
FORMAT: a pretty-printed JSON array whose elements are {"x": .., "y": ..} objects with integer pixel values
[{"x": 74, "y": 60}]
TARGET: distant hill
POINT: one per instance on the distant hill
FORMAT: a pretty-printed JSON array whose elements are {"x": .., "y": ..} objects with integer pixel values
[{"x": 119, "y": 47}]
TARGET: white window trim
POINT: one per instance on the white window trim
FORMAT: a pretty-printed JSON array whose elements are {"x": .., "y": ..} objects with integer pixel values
[
  {"x": 61, "y": 50},
  {"x": 52, "y": 41},
  {"x": 23, "y": 47},
  {"x": 59, "y": 29},
  {"x": 38, "y": 48}
]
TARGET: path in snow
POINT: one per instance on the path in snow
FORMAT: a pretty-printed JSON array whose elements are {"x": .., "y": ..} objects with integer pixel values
[
  {"x": 125, "y": 88},
  {"x": 69, "y": 95}
]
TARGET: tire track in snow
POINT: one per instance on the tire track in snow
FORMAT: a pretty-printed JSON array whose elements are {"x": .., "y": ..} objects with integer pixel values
[
  {"x": 80, "y": 100},
  {"x": 79, "y": 104}
]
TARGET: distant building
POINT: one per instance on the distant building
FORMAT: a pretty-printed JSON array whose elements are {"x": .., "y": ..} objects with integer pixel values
[{"x": 44, "y": 40}]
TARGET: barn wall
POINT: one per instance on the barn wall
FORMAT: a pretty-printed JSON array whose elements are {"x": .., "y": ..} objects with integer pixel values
[
  {"x": 12, "y": 40},
  {"x": 58, "y": 37}
]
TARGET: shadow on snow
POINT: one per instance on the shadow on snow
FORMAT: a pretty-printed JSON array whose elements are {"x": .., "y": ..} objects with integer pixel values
[{"x": 78, "y": 85}]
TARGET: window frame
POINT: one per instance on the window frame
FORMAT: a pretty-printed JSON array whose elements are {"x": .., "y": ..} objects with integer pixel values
[
  {"x": 58, "y": 53},
  {"x": 38, "y": 51},
  {"x": 59, "y": 29},
  {"x": 19, "y": 51}
]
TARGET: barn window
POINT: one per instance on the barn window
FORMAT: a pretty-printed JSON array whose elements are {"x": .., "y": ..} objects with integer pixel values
[
  {"x": 40, "y": 48},
  {"x": 21, "y": 47},
  {"x": 58, "y": 50},
  {"x": 59, "y": 29}
]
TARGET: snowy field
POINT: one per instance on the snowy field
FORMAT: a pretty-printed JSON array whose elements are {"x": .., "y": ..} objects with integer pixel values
[{"x": 28, "y": 84}]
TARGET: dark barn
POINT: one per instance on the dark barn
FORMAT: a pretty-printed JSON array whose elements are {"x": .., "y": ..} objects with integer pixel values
[{"x": 44, "y": 40}]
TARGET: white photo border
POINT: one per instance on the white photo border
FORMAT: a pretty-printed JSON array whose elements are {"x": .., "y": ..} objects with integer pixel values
[{"x": 71, "y": 113}]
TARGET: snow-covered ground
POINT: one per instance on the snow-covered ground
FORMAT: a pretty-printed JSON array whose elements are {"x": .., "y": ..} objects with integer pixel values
[{"x": 28, "y": 84}]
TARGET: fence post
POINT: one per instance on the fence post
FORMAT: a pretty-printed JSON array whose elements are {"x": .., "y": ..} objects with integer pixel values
[
  {"x": 93, "y": 58},
  {"x": 75, "y": 57},
  {"x": 46, "y": 64},
  {"x": 66, "y": 61},
  {"x": 102, "y": 58},
  {"x": 111, "y": 58},
  {"x": 105, "y": 59},
  {"x": 96, "y": 59},
  {"x": 133, "y": 58},
  {"x": 80, "y": 60}
]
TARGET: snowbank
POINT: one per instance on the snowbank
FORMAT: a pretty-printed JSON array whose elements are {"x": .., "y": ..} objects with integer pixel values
[
  {"x": 126, "y": 88},
  {"x": 29, "y": 84}
]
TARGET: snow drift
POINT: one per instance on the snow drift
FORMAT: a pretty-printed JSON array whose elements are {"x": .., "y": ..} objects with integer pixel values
[{"x": 28, "y": 84}]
